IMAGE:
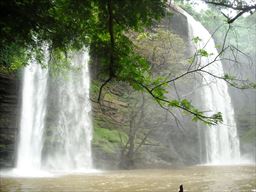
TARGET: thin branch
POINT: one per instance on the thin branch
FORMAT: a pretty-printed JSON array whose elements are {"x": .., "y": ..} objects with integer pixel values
[
  {"x": 201, "y": 117},
  {"x": 143, "y": 140},
  {"x": 195, "y": 54},
  {"x": 199, "y": 68},
  {"x": 229, "y": 82},
  {"x": 176, "y": 91},
  {"x": 238, "y": 8},
  {"x": 176, "y": 119},
  {"x": 225, "y": 37},
  {"x": 189, "y": 72},
  {"x": 242, "y": 8}
]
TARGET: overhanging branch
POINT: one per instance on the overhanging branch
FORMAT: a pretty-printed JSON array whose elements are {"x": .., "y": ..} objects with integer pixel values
[{"x": 243, "y": 8}]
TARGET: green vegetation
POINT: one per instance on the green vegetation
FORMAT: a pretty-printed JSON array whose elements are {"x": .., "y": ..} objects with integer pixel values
[
  {"x": 127, "y": 46},
  {"x": 103, "y": 26},
  {"x": 66, "y": 24},
  {"x": 107, "y": 140},
  {"x": 106, "y": 134}
]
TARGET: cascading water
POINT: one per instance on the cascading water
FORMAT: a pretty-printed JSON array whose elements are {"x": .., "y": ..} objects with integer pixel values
[
  {"x": 70, "y": 133},
  {"x": 221, "y": 141},
  {"x": 68, "y": 147},
  {"x": 34, "y": 93}
]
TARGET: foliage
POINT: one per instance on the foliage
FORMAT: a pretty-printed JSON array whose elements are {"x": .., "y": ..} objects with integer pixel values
[
  {"x": 94, "y": 88},
  {"x": 111, "y": 136},
  {"x": 163, "y": 49},
  {"x": 237, "y": 47},
  {"x": 12, "y": 54},
  {"x": 102, "y": 25},
  {"x": 108, "y": 140},
  {"x": 68, "y": 24},
  {"x": 28, "y": 25}
]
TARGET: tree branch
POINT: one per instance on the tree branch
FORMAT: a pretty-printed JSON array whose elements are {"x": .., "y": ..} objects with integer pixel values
[
  {"x": 112, "y": 48},
  {"x": 231, "y": 6},
  {"x": 203, "y": 118},
  {"x": 102, "y": 86},
  {"x": 241, "y": 8}
]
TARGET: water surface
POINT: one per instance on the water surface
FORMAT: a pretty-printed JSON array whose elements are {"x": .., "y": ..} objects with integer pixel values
[{"x": 194, "y": 179}]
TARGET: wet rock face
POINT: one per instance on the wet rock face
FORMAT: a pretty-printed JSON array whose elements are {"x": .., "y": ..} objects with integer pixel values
[{"x": 8, "y": 119}]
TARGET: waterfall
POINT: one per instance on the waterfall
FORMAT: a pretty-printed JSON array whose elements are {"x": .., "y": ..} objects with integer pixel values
[
  {"x": 221, "y": 141},
  {"x": 68, "y": 146},
  {"x": 70, "y": 132},
  {"x": 33, "y": 109}
]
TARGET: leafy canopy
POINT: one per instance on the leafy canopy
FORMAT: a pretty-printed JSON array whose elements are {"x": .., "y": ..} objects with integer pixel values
[{"x": 64, "y": 25}]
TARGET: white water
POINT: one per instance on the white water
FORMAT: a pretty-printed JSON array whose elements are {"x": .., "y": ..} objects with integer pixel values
[
  {"x": 222, "y": 142},
  {"x": 73, "y": 130},
  {"x": 33, "y": 109},
  {"x": 71, "y": 140}
]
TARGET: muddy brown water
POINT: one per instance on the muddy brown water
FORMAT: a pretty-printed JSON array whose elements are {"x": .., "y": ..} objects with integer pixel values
[{"x": 194, "y": 179}]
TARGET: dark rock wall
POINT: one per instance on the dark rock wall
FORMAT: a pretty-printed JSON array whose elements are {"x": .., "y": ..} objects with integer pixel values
[
  {"x": 8, "y": 119},
  {"x": 177, "y": 23}
]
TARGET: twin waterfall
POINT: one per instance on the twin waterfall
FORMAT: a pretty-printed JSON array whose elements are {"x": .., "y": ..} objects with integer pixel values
[
  {"x": 55, "y": 126},
  {"x": 221, "y": 141},
  {"x": 62, "y": 144}
]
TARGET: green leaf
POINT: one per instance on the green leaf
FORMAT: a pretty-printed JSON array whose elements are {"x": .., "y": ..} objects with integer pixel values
[
  {"x": 185, "y": 103},
  {"x": 196, "y": 40},
  {"x": 203, "y": 53},
  {"x": 174, "y": 103}
]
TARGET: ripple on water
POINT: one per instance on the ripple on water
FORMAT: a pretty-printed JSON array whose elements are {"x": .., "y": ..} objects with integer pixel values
[{"x": 194, "y": 179}]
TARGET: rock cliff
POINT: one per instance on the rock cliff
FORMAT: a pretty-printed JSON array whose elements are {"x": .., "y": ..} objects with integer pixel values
[{"x": 9, "y": 89}]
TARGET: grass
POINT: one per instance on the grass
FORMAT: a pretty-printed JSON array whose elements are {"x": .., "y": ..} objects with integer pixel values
[{"x": 106, "y": 139}]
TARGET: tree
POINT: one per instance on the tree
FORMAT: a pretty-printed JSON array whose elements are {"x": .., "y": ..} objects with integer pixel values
[
  {"x": 143, "y": 120},
  {"x": 26, "y": 25},
  {"x": 101, "y": 25},
  {"x": 131, "y": 146},
  {"x": 66, "y": 24}
]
